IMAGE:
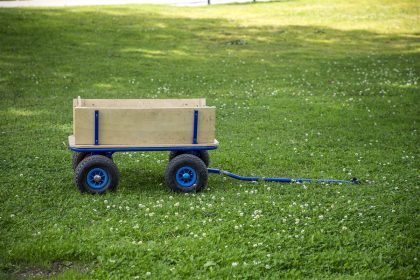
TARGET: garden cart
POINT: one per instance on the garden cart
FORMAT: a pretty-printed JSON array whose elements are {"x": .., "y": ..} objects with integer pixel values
[{"x": 184, "y": 127}]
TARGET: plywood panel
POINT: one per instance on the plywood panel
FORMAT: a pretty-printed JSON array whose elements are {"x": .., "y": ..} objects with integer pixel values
[
  {"x": 141, "y": 103},
  {"x": 140, "y": 127},
  {"x": 78, "y": 102}
]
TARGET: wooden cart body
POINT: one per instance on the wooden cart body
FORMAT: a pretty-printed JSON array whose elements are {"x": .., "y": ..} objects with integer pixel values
[{"x": 142, "y": 123}]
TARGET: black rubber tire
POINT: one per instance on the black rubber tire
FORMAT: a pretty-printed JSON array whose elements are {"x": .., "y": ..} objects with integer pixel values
[
  {"x": 191, "y": 161},
  {"x": 203, "y": 155},
  {"x": 96, "y": 161}
]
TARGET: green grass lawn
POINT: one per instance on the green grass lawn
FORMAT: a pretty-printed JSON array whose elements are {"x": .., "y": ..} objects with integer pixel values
[{"x": 318, "y": 89}]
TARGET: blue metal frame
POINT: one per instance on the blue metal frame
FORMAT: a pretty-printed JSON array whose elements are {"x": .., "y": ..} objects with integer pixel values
[
  {"x": 111, "y": 150},
  {"x": 96, "y": 127},
  {"x": 143, "y": 149},
  {"x": 280, "y": 180},
  {"x": 195, "y": 129}
]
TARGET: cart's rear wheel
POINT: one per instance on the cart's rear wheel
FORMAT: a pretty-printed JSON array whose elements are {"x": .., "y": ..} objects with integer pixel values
[
  {"x": 186, "y": 173},
  {"x": 203, "y": 155},
  {"x": 96, "y": 174},
  {"x": 79, "y": 156}
]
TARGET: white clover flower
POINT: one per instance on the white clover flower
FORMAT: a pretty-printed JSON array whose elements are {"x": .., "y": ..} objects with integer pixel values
[{"x": 234, "y": 264}]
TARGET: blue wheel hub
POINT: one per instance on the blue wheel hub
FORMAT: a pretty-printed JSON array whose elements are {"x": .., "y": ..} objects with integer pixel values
[
  {"x": 186, "y": 176},
  {"x": 97, "y": 178}
]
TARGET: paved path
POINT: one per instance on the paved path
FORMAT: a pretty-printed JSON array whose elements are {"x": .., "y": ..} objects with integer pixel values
[{"x": 69, "y": 3}]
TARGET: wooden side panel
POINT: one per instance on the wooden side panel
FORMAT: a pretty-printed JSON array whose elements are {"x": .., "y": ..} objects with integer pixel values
[
  {"x": 143, "y": 127},
  {"x": 76, "y": 102},
  {"x": 144, "y": 103},
  {"x": 83, "y": 125}
]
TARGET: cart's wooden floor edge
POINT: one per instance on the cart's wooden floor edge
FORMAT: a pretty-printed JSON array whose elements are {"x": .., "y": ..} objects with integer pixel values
[{"x": 72, "y": 144}]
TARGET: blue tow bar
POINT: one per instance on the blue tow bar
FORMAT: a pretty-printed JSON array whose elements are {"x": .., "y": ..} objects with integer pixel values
[{"x": 280, "y": 180}]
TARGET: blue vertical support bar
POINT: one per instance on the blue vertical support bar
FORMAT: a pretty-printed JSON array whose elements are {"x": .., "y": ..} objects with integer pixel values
[
  {"x": 195, "y": 129},
  {"x": 96, "y": 127}
]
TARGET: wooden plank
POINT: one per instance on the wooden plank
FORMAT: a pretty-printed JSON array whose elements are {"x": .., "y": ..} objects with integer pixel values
[
  {"x": 147, "y": 126},
  {"x": 72, "y": 143},
  {"x": 143, "y": 103},
  {"x": 77, "y": 102}
]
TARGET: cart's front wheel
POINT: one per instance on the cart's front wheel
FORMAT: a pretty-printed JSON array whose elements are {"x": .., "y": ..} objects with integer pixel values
[
  {"x": 203, "y": 155},
  {"x": 96, "y": 174},
  {"x": 186, "y": 173}
]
